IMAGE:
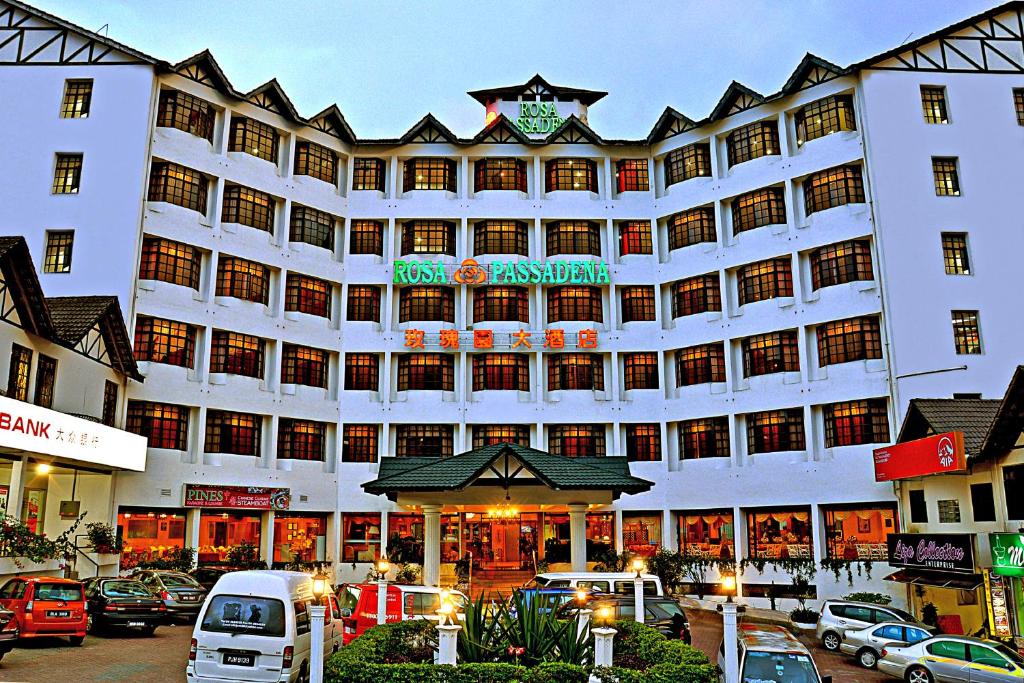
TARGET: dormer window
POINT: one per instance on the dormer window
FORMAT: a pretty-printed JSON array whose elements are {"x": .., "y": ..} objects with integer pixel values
[
  {"x": 571, "y": 174},
  {"x": 253, "y": 137},
  {"x": 430, "y": 173}
]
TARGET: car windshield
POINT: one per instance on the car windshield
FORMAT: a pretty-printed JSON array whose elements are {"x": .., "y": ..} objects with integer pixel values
[
  {"x": 778, "y": 667},
  {"x": 179, "y": 581},
  {"x": 666, "y": 610},
  {"x": 58, "y": 591},
  {"x": 125, "y": 589},
  {"x": 1012, "y": 655},
  {"x": 243, "y": 614}
]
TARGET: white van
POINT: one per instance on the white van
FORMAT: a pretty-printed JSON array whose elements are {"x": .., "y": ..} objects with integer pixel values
[
  {"x": 620, "y": 583},
  {"x": 254, "y": 626},
  {"x": 768, "y": 653}
]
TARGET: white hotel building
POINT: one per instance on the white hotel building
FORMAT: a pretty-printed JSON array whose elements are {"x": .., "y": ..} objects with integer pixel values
[{"x": 785, "y": 274}]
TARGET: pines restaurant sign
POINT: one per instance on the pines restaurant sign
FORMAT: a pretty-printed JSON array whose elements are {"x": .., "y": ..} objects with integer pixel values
[
  {"x": 237, "y": 497},
  {"x": 502, "y": 273}
]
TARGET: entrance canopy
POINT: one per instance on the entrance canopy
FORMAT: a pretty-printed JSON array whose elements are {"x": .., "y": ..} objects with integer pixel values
[{"x": 937, "y": 579}]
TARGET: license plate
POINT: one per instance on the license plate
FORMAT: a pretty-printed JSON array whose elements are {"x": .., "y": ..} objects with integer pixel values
[
  {"x": 58, "y": 613},
  {"x": 239, "y": 659},
  {"x": 136, "y": 623},
  {"x": 188, "y": 598}
]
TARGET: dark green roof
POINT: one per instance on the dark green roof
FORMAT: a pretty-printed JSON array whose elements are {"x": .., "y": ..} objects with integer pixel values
[{"x": 558, "y": 472}]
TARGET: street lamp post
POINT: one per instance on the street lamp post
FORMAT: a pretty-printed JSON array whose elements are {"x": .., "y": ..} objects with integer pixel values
[
  {"x": 638, "y": 589},
  {"x": 604, "y": 637},
  {"x": 732, "y": 664},
  {"x": 382, "y": 589},
  {"x": 582, "y": 613},
  {"x": 316, "y": 629},
  {"x": 447, "y": 632}
]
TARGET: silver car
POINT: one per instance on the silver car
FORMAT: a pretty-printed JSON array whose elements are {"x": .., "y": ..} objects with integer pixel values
[
  {"x": 952, "y": 659},
  {"x": 840, "y": 615},
  {"x": 866, "y": 644}
]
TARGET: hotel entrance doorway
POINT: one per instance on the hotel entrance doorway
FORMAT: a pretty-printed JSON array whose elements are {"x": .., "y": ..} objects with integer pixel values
[{"x": 506, "y": 541}]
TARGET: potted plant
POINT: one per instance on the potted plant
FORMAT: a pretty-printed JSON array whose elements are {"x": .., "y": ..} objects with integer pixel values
[{"x": 103, "y": 538}]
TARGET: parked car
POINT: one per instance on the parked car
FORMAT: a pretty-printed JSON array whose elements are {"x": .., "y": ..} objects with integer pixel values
[
  {"x": 254, "y": 626},
  {"x": 840, "y": 615},
  {"x": 662, "y": 613},
  {"x": 865, "y": 644},
  {"x": 46, "y": 606},
  {"x": 122, "y": 603},
  {"x": 944, "y": 659},
  {"x": 358, "y": 603},
  {"x": 557, "y": 597},
  {"x": 182, "y": 595},
  {"x": 207, "y": 576},
  {"x": 8, "y": 630},
  {"x": 770, "y": 654},
  {"x": 605, "y": 582}
]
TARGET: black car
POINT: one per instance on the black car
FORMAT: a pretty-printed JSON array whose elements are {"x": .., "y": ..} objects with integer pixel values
[
  {"x": 122, "y": 603},
  {"x": 8, "y": 631},
  {"x": 662, "y": 613},
  {"x": 208, "y": 576}
]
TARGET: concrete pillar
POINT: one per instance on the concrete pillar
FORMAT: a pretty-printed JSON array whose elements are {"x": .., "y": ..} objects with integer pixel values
[
  {"x": 192, "y": 525},
  {"x": 267, "y": 537},
  {"x": 604, "y": 639},
  {"x": 431, "y": 545},
  {"x": 447, "y": 642},
  {"x": 17, "y": 488},
  {"x": 332, "y": 551},
  {"x": 578, "y": 536},
  {"x": 732, "y": 662}
]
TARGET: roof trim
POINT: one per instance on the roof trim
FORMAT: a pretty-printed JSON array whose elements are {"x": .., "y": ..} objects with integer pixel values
[
  {"x": 734, "y": 92},
  {"x": 1007, "y": 426},
  {"x": 586, "y": 97}
]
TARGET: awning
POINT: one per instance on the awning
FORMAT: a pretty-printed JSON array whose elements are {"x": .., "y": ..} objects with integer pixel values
[{"x": 967, "y": 582}]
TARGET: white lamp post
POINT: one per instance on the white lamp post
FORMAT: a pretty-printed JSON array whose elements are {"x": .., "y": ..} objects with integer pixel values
[
  {"x": 447, "y": 633},
  {"x": 732, "y": 663},
  {"x": 638, "y": 589},
  {"x": 582, "y": 613},
  {"x": 382, "y": 590},
  {"x": 604, "y": 638},
  {"x": 316, "y": 630}
]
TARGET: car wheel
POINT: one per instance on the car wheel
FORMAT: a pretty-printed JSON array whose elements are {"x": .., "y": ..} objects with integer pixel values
[
  {"x": 76, "y": 640},
  {"x": 148, "y": 631},
  {"x": 830, "y": 641},
  {"x": 919, "y": 674},
  {"x": 867, "y": 658},
  {"x": 92, "y": 625},
  {"x": 304, "y": 673}
]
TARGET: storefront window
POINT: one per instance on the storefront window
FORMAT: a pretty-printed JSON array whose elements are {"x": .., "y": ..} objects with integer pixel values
[
  {"x": 501, "y": 542},
  {"x": 709, "y": 534},
  {"x": 600, "y": 536},
  {"x": 221, "y": 531},
  {"x": 859, "y": 533},
  {"x": 360, "y": 537},
  {"x": 641, "y": 533},
  {"x": 148, "y": 536},
  {"x": 450, "y": 532},
  {"x": 405, "y": 537},
  {"x": 300, "y": 538},
  {"x": 782, "y": 534}
]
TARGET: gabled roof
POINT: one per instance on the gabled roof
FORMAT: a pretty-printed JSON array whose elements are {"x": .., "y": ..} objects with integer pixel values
[
  {"x": 203, "y": 68},
  {"x": 736, "y": 98},
  {"x": 75, "y": 316},
  {"x": 668, "y": 124},
  {"x": 23, "y": 286},
  {"x": 331, "y": 121},
  {"x": 534, "y": 86},
  {"x": 271, "y": 96},
  {"x": 500, "y": 130},
  {"x": 812, "y": 70},
  {"x": 1009, "y": 421},
  {"x": 428, "y": 129},
  {"x": 972, "y": 416},
  {"x": 573, "y": 131},
  {"x": 405, "y": 475}
]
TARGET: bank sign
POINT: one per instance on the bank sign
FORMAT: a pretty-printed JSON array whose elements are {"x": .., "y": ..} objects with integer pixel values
[
  {"x": 237, "y": 497},
  {"x": 538, "y": 117},
  {"x": 1007, "y": 554},
  {"x": 939, "y": 454},
  {"x": 944, "y": 552},
  {"x": 470, "y": 272}
]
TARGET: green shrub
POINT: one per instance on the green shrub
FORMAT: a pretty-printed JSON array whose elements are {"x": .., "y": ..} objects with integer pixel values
[
  {"x": 660, "y": 673},
  {"x": 556, "y": 672},
  {"x": 338, "y": 672},
  {"x": 874, "y": 598},
  {"x": 637, "y": 646}
]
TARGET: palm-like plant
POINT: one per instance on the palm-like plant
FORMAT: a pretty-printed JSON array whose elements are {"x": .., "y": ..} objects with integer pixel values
[
  {"x": 479, "y": 639},
  {"x": 574, "y": 645},
  {"x": 531, "y": 628}
]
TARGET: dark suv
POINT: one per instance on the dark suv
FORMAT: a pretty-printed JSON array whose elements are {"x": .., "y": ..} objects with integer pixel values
[{"x": 662, "y": 613}]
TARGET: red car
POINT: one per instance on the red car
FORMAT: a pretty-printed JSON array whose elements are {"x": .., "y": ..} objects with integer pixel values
[{"x": 46, "y": 606}]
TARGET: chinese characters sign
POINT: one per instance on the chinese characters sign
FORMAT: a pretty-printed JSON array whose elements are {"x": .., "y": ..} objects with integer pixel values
[
  {"x": 239, "y": 497},
  {"x": 502, "y": 273},
  {"x": 520, "y": 340},
  {"x": 937, "y": 454}
]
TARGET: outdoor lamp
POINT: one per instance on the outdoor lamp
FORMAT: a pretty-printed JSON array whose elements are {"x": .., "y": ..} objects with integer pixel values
[
  {"x": 319, "y": 586},
  {"x": 729, "y": 586},
  {"x": 638, "y": 566},
  {"x": 445, "y": 611},
  {"x": 603, "y": 615},
  {"x": 581, "y": 596},
  {"x": 446, "y": 595},
  {"x": 383, "y": 567}
]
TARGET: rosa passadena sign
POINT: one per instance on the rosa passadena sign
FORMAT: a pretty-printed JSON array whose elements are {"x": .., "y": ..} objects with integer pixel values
[
  {"x": 942, "y": 552},
  {"x": 237, "y": 497}
]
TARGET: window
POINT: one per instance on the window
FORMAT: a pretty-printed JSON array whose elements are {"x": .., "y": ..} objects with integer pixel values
[
  {"x": 362, "y": 372},
  {"x": 952, "y": 649},
  {"x": 501, "y": 372},
  {"x": 858, "y": 533},
  {"x": 237, "y": 354},
  {"x": 984, "y": 656},
  {"x": 635, "y": 238},
  {"x": 700, "y": 364},
  {"x": 1013, "y": 487},
  {"x": 246, "y": 206},
  {"x": 253, "y": 137},
  {"x": 631, "y": 175},
  {"x": 765, "y": 354},
  {"x": 499, "y": 174},
  {"x": 488, "y": 435},
  {"x": 242, "y": 279},
  {"x": 700, "y": 294},
  {"x": 966, "y": 333},
  {"x": 954, "y": 253},
  {"x": 643, "y": 442},
  {"x": 1018, "y": 105},
  {"x": 305, "y": 294},
  {"x": 692, "y": 161},
  {"x": 59, "y": 244},
  {"x": 310, "y": 226},
  {"x": 918, "y": 507},
  {"x": 186, "y": 112},
  {"x": 67, "y": 174},
  {"x": 575, "y": 303},
  {"x": 360, "y": 537},
  {"x": 765, "y": 280},
  {"x": 947, "y": 181},
  {"x": 640, "y": 370},
  {"x": 237, "y": 433},
  {"x": 840, "y": 263},
  {"x": 77, "y": 98},
  {"x": 848, "y": 340},
  {"x": 429, "y": 173},
  {"x": 576, "y": 441},
  {"x": 574, "y": 237},
  {"x": 368, "y": 174},
  {"x": 18, "y": 374},
  {"x": 497, "y": 303},
  {"x": 758, "y": 208},
  {"x": 933, "y": 102},
  {"x": 428, "y": 237},
  {"x": 366, "y": 237},
  {"x": 169, "y": 261},
  {"x": 983, "y": 504},
  {"x": 704, "y": 438},
  {"x": 637, "y": 303},
  {"x": 165, "y": 425},
  {"x": 501, "y": 237},
  {"x": 109, "y": 402},
  {"x": 575, "y": 371},
  {"x": 176, "y": 184},
  {"x": 570, "y": 174},
  {"x": 775, "y": 430},
  {"x": 46, "y": 375},
  {"x": 424, "y": 441},
  {"x": 824, "y": 117},
  {"x": 363, "y": 303},
  {"x": 783, "y": 534},
  {"x": 854, "y": 423},
  {"x": 426, "y": 372},
  {"x": 426, "y": 303},
  {"x": 696, "y": 226},
  {"x": 833, "y": 187},
  {"x": 753, "y": 141},
  {"x": 316, "y": 161},
  {"x": 301, "y": 440},
  {"x": 304, "y": 365},
  {"x": 165, "y": 341},
  {"x": 359, "y": 443},
  {"x": 949, "y": 511}
]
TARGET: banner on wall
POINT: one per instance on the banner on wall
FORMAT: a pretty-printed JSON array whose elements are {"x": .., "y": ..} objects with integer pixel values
[
  {"x": 939, "y": 454},
  {"x": 942, "y": 552},
  {"x": 237, "y": 497}
]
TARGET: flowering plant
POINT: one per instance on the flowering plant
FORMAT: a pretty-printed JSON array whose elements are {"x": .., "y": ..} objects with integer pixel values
[{"x": 19, "y": 542}]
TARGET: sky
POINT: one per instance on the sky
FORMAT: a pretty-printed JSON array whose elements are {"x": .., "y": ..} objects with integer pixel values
[{"x": 386, "y": 64}]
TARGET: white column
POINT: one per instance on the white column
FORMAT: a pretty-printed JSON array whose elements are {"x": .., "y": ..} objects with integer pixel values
[
  {"x": 431, "y": 545},
  {"x": 16, "y": 487},
  {"x": 578, "y": 536},
  {"x": 604, "y": 638},
  {"x": 316, "y": 643},
  {"x": 582, "y": 622},
  {"x": 192, "y": 525},
  {"x": 267, "y": 537},
  {"x": 638, "y": 599},
  {"x": 447, "y": 641},
  {"x": 382, "y": 599},
  {"x": 732, "y": 664}
]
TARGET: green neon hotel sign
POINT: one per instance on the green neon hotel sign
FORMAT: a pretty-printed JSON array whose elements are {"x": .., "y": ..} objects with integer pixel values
[
  {"x": 538, "y": 117},
  {"x": 502, "y": 273},
  {"x": 1007, "y": 554}
]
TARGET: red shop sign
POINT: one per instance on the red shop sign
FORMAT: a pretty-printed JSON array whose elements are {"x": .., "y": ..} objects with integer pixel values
[
  {"x": 939, "y": 454},
  {"x": 239, "y": 497}
]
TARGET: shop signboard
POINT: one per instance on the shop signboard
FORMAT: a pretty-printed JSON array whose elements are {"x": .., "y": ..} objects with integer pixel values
[
  {"x": 469, "y": 272},
  {"x": 941, "y": 552},
  {"x": 237, "y": 497},
  {"x": 998, "y": 611},
  {"x": 1007, "y": 554},
  {"x": 5, "y": 492},
  {"x": 939, "y": 454}
]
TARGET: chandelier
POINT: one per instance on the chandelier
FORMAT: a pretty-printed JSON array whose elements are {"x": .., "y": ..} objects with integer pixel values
[{"x": 504, "y": 509}]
